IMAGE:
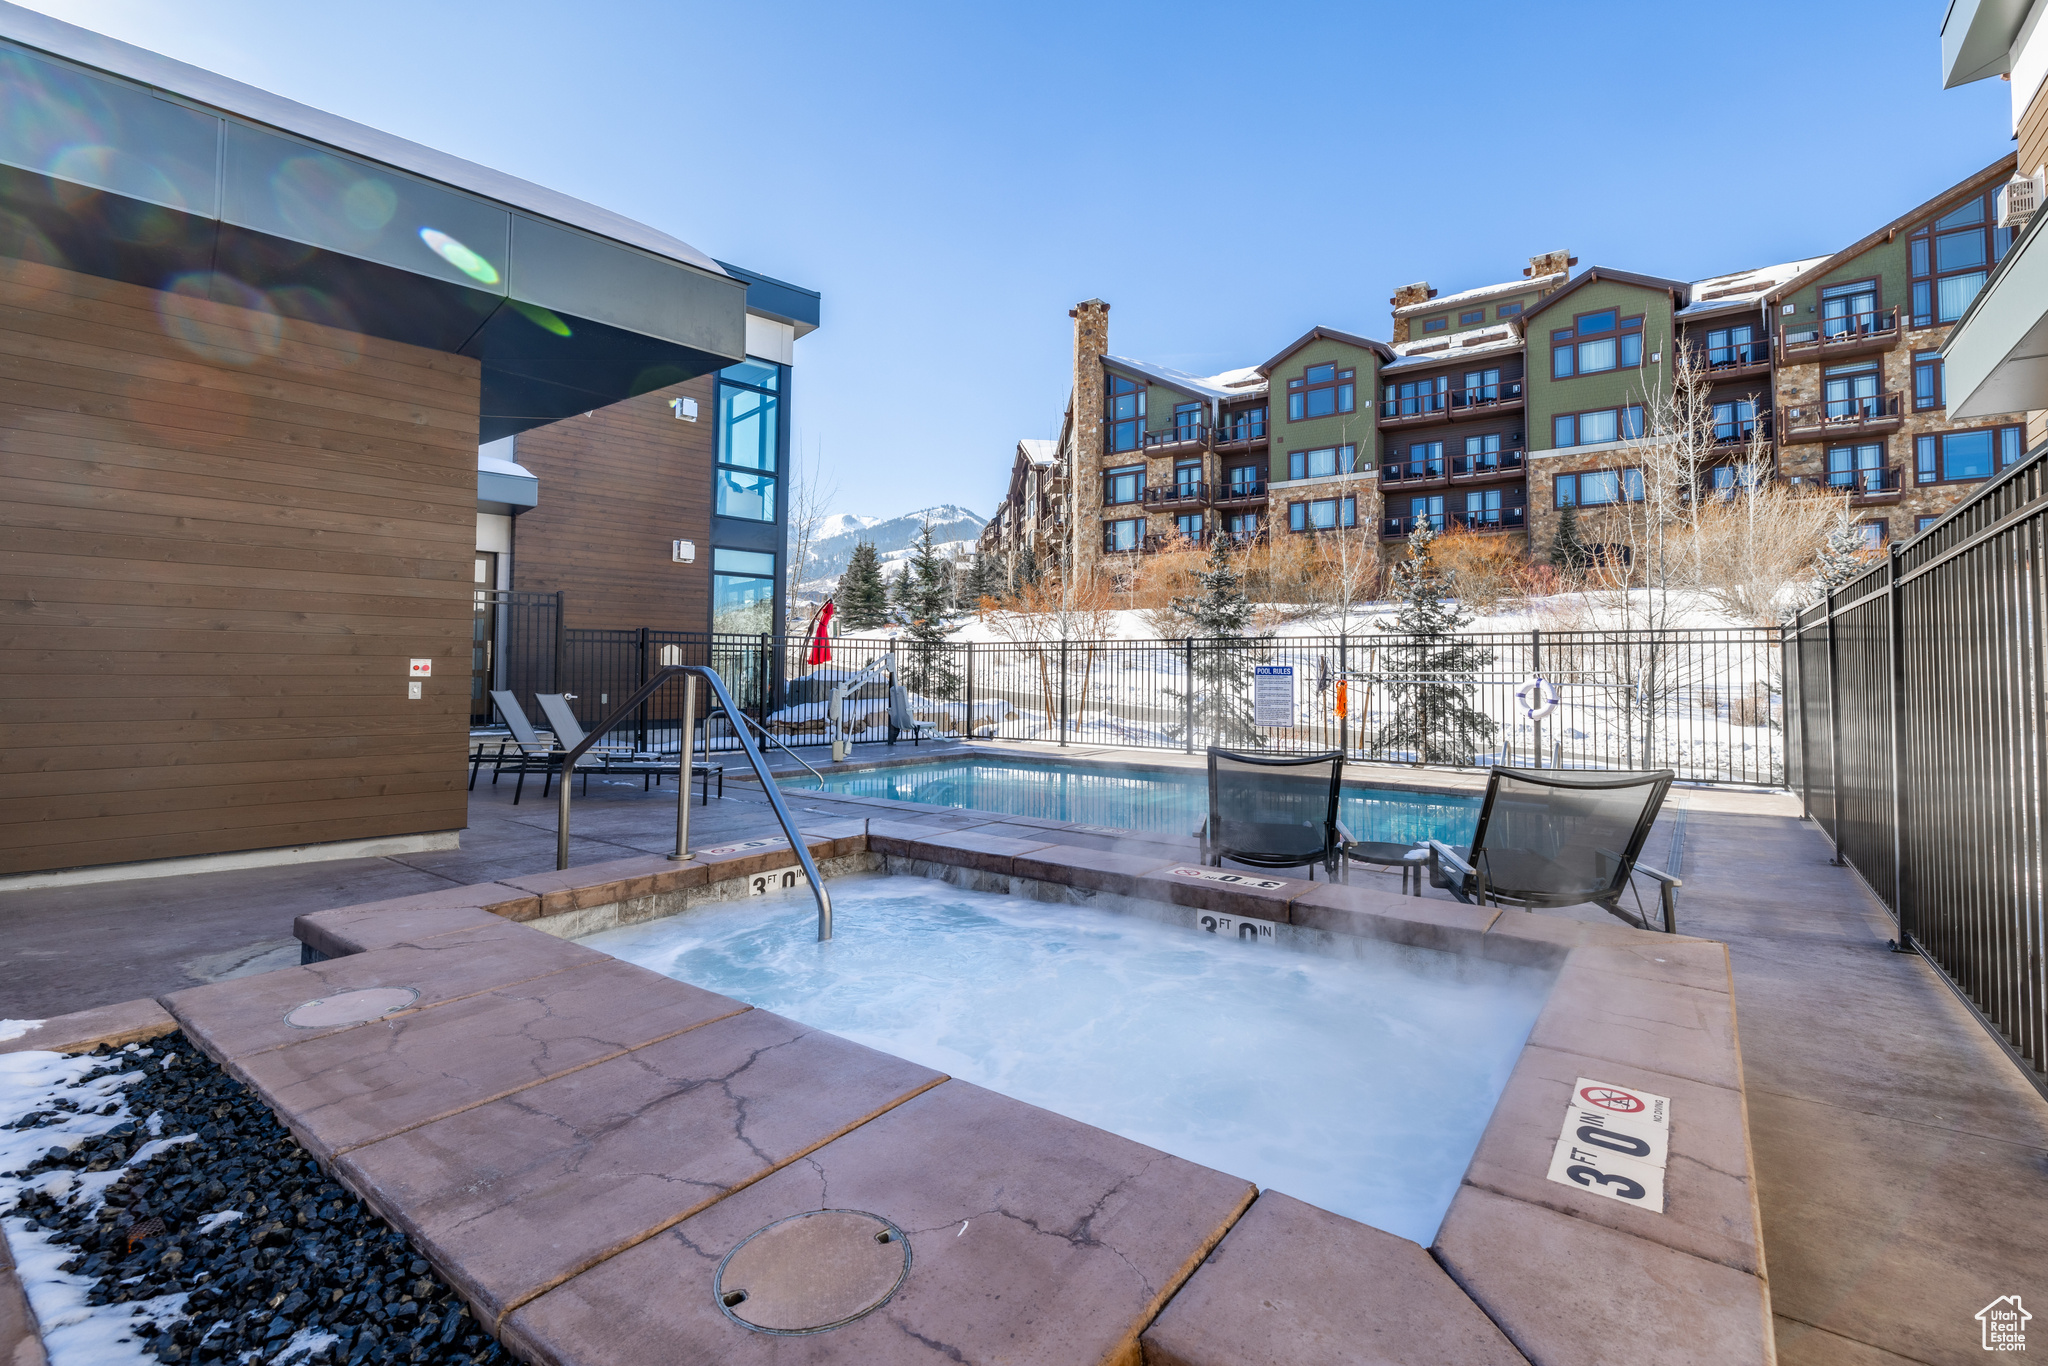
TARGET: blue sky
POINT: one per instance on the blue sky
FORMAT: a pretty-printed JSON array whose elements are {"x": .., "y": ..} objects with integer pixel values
[{"x": 955, "y": 177}]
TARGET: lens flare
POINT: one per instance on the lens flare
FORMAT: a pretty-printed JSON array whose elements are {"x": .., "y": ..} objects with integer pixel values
[
  {"x": 540, "y": 317},
  {"x": 219, "y": 318},
  {"x": 459, "y": 256}
]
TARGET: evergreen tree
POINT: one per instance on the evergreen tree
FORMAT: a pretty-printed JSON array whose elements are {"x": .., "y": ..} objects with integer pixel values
[
  {"x": 899, "y": 596},
  {"x": 1429, "y": 683},
  {"x": 1568, "y": 554},
  {"x": 1216, "y": 619},
  {"x": 863, "y": 600},
  {"x": 928, "y": 596},
  {"x": 984, "y": 580},
  {"x": 1842, "y": 556}
]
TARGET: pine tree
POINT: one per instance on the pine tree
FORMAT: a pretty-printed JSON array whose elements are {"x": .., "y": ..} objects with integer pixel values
[
  {"x": 984, "y": 580},
  {"x": 899, "y": 596},
  {"x": 928, "y": 595},
  {"x": 1429, "y": 683},
  {"x": 1842, "y": 556},
  {"x": 1216, "y": 619},
  {"x": 863, "y": 601},
  {"x": 1568, "y": 554}
]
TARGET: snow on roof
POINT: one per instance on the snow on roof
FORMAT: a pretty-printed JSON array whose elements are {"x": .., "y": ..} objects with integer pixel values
[
  {"x": 1744, "y": 286},
  {"x": 1229, "y": 384},
  {"x": 1432, "y": 350},
  {"x": 1482, "y": 292},
  {"x": 1038, "y": 452}
]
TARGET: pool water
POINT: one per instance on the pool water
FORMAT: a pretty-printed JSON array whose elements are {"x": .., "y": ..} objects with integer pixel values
[
  {"x": 1169, "y": 800},
  {"x": 1359, "y": 1085}
]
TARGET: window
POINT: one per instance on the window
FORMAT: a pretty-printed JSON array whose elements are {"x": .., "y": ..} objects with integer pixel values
[
  {"x": 1186, "y": 478},
  {"x": 1246, "y": 424},
  {"x": 1425, "y": 461},
  {"x": 1124, "y": 486},
  {"x": 749, "y": 440},
  {"x": 1921, "y": 524},
  {"x": 1955, "y": 456},
  {"x": 1482, "y": 453},
  {"x": 1927, "y": 391},
  {"x": 1124, "y": 535},
  {"x": 1189, "y": 525},
  {"x": 1324, "y": 514},
  {"x": 1596, "y": 343},
  {"x": 1430, "y": 509},
  {"x": 1599, "y": 488},
  {"x": 1730, "y": 346},
  {"x": 1859, "y": 467},
  {"x": 742, "y": 591},
  {"x": 1241, "y": 523},
  {"x": 1507, "y": 310},
  {"x": 1436, "y": 324},
  {"x": 1851, "y": 392},
  {"x": 1602, "y": 424},
  {"x": 1416, "y": 396},
  {"x": 1482, "y": 386},
  {"x": 1493, "y": 508},
  {"x": 1126, "y": 414},
  {"x": 1243, "y": 479},
  {"x": 1187, "y": 421},
  {"x": 1872, "y": 534},
  {"x": 1849, "y": 309},
  {"x": 1320, "y": 391},
  {"x": 1477, "y": 315},
  {"x": 1318, "y": 464},
  {"x": 1728, "y": 478},
  {"x": 1952, "y": 256},
  {"x": 1735, "y": 420}
]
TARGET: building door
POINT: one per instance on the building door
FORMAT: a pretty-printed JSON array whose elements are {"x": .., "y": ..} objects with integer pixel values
[
  {"x": 483, "y": 639},
  {"x": 1851, "y": 392}
]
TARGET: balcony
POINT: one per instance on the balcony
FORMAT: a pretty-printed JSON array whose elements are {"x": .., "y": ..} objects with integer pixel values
[
  {"x": 1240, "y": 433},
  {"x": 1467, "y": 469},
  {"x": 1423, "y": 410},
  {"x": 1486, "y": 519},
  {"x": 1412, "y": 473},
  {"x": 1868, "y": 488},
  {"x": 1172, "y": 437},
  {"x": 1239, "y": 496},
  {"x": 1174, "y": 540},
  {"x": 1837, "y": 419},
  {"x": 1178, "y": 496},
  {"x": 1400, "y": 528},
  {"x": 1831, "y": 339},
  {"x": 1740, "y": 360},
  {"x": 1737, "y": 434}
]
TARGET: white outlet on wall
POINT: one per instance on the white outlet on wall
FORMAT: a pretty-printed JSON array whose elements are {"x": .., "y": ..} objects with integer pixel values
[{"x": 413, "y": 691}]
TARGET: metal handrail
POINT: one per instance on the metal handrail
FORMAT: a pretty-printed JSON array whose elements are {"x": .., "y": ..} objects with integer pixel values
[
  {"x": 683, "y": 767},
  {"x": 766, "y": 734}
]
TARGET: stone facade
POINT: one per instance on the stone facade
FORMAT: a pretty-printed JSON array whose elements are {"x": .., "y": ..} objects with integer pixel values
[{"x": 1082, "y": 441}]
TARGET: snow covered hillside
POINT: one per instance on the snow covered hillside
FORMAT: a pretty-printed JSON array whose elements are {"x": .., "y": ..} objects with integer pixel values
[{"x": 893, "y": 537}]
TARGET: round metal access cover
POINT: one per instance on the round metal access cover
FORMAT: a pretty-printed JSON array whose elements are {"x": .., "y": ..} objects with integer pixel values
[
  {"x": 350, "y": 1007},
  {"x": 811, "y": 1272}
]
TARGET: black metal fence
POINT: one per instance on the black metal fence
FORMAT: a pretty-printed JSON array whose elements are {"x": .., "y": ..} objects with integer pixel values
[
  {"x": 1919, "y": 736},
  {"x": 1704, "y": 703}
]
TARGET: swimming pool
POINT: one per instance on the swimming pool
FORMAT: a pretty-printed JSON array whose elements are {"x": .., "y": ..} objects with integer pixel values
[
  {"x": 1358, "y": 1084},
  {"x": 1172, "y": 801}
]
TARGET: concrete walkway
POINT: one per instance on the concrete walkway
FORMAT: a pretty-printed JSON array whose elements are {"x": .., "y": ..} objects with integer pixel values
[{"x": 1902, "y": 1161}]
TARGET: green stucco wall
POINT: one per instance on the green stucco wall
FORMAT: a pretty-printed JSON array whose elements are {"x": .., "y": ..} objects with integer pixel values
[
  {"x": 1547, "y": 397},
  {"x": 1354, "y": 428}
]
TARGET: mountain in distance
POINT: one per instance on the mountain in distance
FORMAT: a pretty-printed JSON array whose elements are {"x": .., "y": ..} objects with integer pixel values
[{"x": 952, "y": 528}]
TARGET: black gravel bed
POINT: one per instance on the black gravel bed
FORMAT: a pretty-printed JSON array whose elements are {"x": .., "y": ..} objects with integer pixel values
[{"x": 306, "y": 1254}]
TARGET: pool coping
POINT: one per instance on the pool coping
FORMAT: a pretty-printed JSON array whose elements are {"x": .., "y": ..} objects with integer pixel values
[{"x": 1559, "y": 1273}]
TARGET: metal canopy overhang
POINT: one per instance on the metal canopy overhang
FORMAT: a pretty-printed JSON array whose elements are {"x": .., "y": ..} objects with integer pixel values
[
  {"x": 1977, "y": 38},
  {"x": 105, "y": 176},
  {"x": 1996, "y": 357}
]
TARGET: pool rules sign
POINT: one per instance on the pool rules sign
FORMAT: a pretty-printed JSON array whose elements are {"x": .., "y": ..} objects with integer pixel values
[
  {"x": 1614, "y": 1143},
  {"x": 1273, "y": 694}
]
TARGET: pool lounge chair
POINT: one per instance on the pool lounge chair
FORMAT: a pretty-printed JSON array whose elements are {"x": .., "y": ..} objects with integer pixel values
[
  {"x": 1274, "y": 811},
  {"x": 1549, "y": 839},
  {"x": 651, "y": 766},
  {"x": 526, "y": 751}
]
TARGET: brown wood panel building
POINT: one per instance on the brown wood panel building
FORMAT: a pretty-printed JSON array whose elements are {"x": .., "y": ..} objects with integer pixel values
[
  {"x": 225, "y": 536},
  {"x": 619, "y": 486}
]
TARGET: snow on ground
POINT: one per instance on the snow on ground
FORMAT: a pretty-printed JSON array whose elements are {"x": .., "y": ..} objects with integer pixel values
[{"x": 14, "y": 1029}]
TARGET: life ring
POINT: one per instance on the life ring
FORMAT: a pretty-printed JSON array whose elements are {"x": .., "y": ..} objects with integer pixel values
[{"x": 1538, "y": 697}]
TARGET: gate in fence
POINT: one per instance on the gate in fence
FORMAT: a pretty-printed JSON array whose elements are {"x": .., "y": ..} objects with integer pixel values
[
  {"x": 1918, "y": 739},
  {"x": 515, "y": 643}
]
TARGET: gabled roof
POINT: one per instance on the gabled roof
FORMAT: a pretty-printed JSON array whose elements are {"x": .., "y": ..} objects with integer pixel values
[
  {"x": 1240, "y": 383},
  {"x": 1676, "y": 288},
  {"x": 1472, "y": 296},
  {"x": 1998, "y": 170},
  {"x": 1038, "y": 451},
  {"x": 1743, "y": 288},
  {"x": 1381, "y": 349},
  {"x": 1459, "y": 346}
]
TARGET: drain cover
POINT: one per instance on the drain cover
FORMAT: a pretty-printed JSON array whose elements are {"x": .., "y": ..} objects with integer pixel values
[
  {"x": 812, "y": 1271},
  {"x": 351, "y": 1007}
]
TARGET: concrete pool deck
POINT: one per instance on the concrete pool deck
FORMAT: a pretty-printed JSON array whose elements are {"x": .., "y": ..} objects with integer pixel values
[{"x": 1900, "y": 1158}]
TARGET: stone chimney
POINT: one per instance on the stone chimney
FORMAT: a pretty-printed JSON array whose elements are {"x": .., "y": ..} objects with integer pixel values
[
  {"x": 1091, "y": 344},
  {"x": 1417, "y": 293},
  {"x": 1550, "y": 263}
]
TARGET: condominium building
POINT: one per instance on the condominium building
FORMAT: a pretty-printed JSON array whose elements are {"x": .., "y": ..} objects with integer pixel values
[{"x": 1495, "y": 407}]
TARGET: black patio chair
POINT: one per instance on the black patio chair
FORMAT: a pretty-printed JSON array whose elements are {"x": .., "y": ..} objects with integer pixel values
[
  {"x": 650, "y": 765},
  {"x": 1274, "y": 811},
  {"x": 527, "y": 751},
  {"x": 1548, "y": 839}
]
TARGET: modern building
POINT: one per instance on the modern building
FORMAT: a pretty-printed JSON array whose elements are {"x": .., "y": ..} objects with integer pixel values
[
  {"x": 261, "y": 364},
  {"x": 1495, "y": 407}
]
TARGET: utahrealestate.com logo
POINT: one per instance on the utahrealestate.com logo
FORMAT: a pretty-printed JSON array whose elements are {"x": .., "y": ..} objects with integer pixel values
[{"x": 2005, "y": 1324}]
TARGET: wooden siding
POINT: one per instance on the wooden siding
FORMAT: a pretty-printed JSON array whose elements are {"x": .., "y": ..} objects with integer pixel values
[
  {"x": 2033, "y": 132},
  {"x": 222, "y": 537},
  {"x": 617, "y": 488}
]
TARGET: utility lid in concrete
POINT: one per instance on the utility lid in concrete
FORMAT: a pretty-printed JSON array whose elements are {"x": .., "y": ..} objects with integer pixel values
[
  {"x": 813, "y": 1271},
  {"x": 351, "y": 1007}
]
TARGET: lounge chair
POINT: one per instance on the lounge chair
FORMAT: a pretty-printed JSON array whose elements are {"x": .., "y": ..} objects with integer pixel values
[
  {"x": 1271, "y": 811},
  {"x": 1549, "y": 839},
  {"x": 901, "y": 721},
  {"x": 525, "y": 752},
  {"x": 651, "y": 766}
]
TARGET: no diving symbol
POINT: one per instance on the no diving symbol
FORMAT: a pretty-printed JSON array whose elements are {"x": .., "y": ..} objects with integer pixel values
[{"x": 1607, "y": 1098}]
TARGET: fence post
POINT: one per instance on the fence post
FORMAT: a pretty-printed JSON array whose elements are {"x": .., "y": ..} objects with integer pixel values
[
  {"x": 1896, "y": 614},
  {"x": 1187, "y": 697},
  {"x": 767, "y": 693},
  {"x": 1344, "y": 682},
  {"x": 1063, "y": 691},
  {"x": 640, "y": 715},
  {"x": 561, "y": 644},
  {"x": 1536, "y": 669},
  {"x": 1834, "y": 735},
  {"x": 967, "y": 723}
]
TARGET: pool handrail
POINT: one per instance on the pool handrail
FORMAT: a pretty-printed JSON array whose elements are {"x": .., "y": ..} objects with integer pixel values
[
  {"x": 766, "y": 735},
  {"x": 747, "y": 746}
]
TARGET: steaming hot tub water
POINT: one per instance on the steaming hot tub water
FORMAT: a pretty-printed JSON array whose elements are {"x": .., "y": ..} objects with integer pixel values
[
  {"x": 1357, "y": 1084},
  {"x": 1169, "y": 801}
]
